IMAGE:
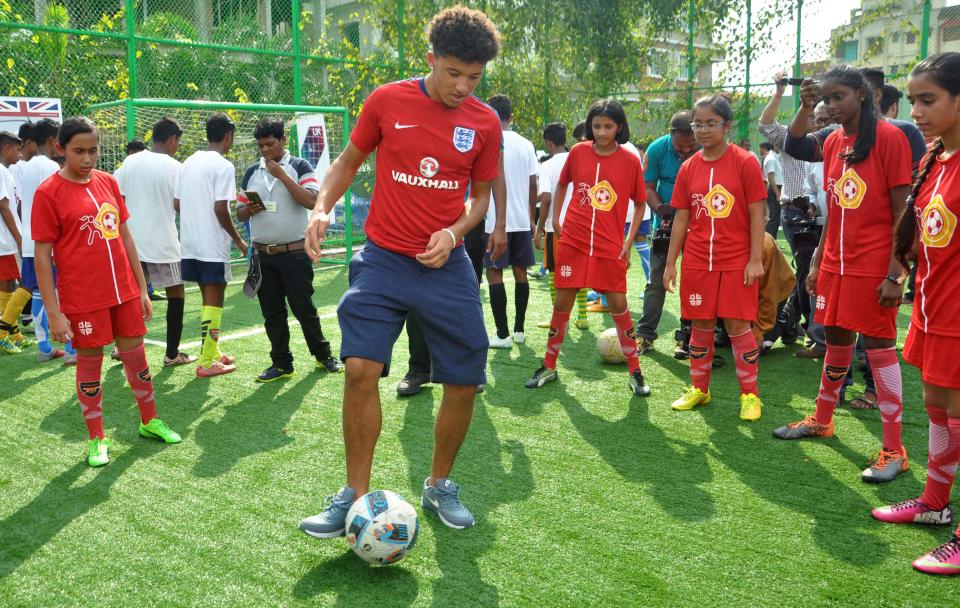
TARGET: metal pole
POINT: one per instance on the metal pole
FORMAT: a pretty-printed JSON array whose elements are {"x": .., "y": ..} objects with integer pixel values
[
  {"x": 796, "y": 66},
  {"x": 401, "y": 43},
  {"x": 925, "y": 30},
  {"x": 691, "y": 25},
  {"x": 347, "y": 197},
  {"x": 132, "y": 91},
  {"x": 548, "y": 63},
  {"x": 745, "y": 118},
  {"x": 295, "y": 19}
]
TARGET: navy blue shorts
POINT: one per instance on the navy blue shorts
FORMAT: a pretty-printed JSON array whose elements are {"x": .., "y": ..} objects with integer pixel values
[
  {"x": 208, "y": 273},
  {"x": 386, "y": 286},
  {"x": 28, "y": 274},
  {"x": 519, "y": 251}
]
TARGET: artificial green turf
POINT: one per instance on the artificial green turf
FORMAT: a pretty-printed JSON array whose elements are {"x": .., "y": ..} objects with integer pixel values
[{"x": 583, "y": 495}]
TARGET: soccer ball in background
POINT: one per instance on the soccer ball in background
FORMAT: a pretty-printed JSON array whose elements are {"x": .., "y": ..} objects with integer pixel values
[
  {"x": 608, "y": 345},
  {"x": 382, "y": 527}
]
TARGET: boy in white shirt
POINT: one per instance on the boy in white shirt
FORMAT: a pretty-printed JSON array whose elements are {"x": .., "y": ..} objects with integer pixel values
[
  {"x": 12, "y": 299},
  {"x": 208, "y": 182}
]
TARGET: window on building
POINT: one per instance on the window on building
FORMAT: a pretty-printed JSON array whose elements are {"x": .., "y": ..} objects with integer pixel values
[
  {"x": 911, "y": 37},
  {"x": 951, "y": 33},
  {"x": 847, "y": 52},
  {"x": 657, "y": 63},
  {"x": 896, "y": 36},
  {"x": 350, "y": 33}
]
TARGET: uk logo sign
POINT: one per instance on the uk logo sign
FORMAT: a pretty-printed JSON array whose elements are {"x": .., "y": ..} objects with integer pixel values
[{"x": 463, "y": 138}]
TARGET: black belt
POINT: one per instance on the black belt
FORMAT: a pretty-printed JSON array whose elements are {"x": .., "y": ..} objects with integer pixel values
[{"x": 284, "y": 248}]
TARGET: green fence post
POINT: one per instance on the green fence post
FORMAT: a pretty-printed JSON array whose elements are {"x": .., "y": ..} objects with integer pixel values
[
  {"x": 691, "y": 25},
  {"x": 925, "y": 30},
  {"x": 548, "y": 63},
  {"x": 132, "y": 92},
  {"x": 295, "y": 17},
  {"x": 796, "y": 65},
  {"x": 347, "y": 199},
  {"x": 745, "y": 118}
]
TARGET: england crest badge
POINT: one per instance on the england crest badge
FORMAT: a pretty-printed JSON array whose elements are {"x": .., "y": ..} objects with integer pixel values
[{"x": 463, "y": 138}]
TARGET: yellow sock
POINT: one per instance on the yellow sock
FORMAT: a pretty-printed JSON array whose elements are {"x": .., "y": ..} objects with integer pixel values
[
  {"x": 210, "y": 334},
  {"x": 11, "y": 312},
  {"x": 4, "y": 300},
  {"x": 582, "y": 304},
  {"x": 553, "y": 294}
]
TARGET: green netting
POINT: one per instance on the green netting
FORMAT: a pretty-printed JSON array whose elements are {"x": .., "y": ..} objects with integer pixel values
[{"x": 112, "y": 121}]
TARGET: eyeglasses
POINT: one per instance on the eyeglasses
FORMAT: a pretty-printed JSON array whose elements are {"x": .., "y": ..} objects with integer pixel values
[{"x": 706, "y": 127}]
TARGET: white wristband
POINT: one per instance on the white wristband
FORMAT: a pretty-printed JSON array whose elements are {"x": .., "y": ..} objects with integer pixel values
[{"x": 452, "y": 235}]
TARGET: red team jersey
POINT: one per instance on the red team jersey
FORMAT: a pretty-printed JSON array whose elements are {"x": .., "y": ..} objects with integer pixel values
[
  {"x": 718, "y": 194},
  {"x": 859, "y": 236},
  {"x": 602, "y": 189},
  {"x": 82, "y": 222},
  {"x": 427, "y": 155},
  {"x": 936, "y": 307}
]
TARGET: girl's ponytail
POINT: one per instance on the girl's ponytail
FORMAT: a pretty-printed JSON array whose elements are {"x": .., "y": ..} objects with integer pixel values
[{"x": 905, "y": 234}]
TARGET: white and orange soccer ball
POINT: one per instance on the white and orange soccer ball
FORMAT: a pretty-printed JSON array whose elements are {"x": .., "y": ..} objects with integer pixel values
[
  {"x": 608, "y": 346},
  {"x": 382, "y": 527}
]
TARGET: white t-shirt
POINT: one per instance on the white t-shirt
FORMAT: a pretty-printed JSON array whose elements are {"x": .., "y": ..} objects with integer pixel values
[
  {"x": 771, "y": 164},
  {"x": 549, "y": 175},
  {"x": 519, "y": 163},
  {"x": 206, "y": 177},
  {"x": 28, "y": 176},
  {"x": 8, "y": 190},
  {"x": 148, "y": 182}
]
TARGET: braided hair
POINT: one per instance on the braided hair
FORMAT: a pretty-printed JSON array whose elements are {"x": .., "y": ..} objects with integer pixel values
[{"x": 853, "y": 78}]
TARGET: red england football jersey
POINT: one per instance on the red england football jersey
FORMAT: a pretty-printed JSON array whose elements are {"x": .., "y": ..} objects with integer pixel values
[
  {"x": 936, "y": 307},
  {"x": 602, "y": 189},
  {"x": 860, "y": 227},
  {"x": 718, "y": 194},
  {"x": 82, "y": 222},
  {"x": 427, "y": 155}
]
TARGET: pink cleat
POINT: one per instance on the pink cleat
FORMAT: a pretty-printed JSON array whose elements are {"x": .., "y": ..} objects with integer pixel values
[
  {"x": 228, "y": 359},
  {"x": 913, "y": 511},
  {"x": 217, "y": 368},
  {"x": 944, "y": 560}
]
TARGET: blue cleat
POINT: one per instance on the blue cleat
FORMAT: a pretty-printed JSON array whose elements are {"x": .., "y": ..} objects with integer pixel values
[{"x": 332, "y": 521}]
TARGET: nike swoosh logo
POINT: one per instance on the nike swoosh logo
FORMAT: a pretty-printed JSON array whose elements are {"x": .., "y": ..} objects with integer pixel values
[
  {"x": 435, "y": 503},
  {"x": 400, "y": 126}
]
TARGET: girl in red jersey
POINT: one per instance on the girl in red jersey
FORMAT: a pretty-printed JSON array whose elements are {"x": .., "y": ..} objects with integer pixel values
[
  {"x": 720, "y": 197},
  {"x": 592, "y": 251},
  {"x": 934, "y": 338},
  {"x": 854, "y": 275},
  {"x": 80, "y": 214}
]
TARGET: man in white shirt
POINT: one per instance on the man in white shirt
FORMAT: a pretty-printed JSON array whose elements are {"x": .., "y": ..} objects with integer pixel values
[
  {"x": 28, "y": 176},
  {"x": 149, "y": 181},
  {"x": 12, "y": 298},
  {"x": 208, "y": 182},
  {"x": 773, "y": 173},
  {"x": 520, "y": 171}
]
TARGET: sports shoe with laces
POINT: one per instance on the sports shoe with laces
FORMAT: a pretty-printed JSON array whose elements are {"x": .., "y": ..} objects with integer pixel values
[
  {"x": 217, "y": 368},
  {"x": 638, "y": 385},
  {"x": 693, "y": 397},
  {"x": 888, "y": 465},
  {"x": 582, "y": 324},
  {"x": 274, "y": 373},
  {"x": 808, "y": 427},
  {"x": 158, "y": 429},
  {"x": 597, "y": 306},
  {"x": 913, "y": 511},
  {"x": 411, "y": 384},
  {"x": 681, "y": 351},
  {"x": 443, "y": 499},
  {"x": 182, "y": 358},
  {"x": 519, "y": 337},
  {"x": 7, "y": 346},
  {"x": 332, "y": 521},
  {"x": 498, "y": 342},
  {"x": 644, "y": 346},
  {"x": 43, "y": 357},
  {"x": 540, "y": 377},
  {"x": 97, "y": 452},
  {"x": 22, "y": 342},
  {"x": 69, "y": 359},
  {"x": 751, "y": 408},
  {"x": 944, "y": 560},
  {"x": 331, "y": 364}
]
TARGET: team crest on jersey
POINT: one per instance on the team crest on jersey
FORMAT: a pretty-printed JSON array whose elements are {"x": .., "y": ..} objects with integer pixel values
[
  {"x": 105, "y": 224},
  {"x": 602, "y": 196},
  {"x": 850, "y": 190},
  {"x": 463, "y": 138},
  {"x": 429, "y": 166},
  {"x": 938, "y": 223},
  {"x": 718, "y": 202}
]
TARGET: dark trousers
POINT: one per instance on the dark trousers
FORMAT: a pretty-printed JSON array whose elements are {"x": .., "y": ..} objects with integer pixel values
[
  {"x": 773, "y": 213},
  {"x": 419, "y": 352},
  {"x": 288, "y": 277},
  {"x": 654, "y": 295}
]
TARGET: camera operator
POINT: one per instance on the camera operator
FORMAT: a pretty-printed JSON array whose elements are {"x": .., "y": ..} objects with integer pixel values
[{"x": 664, "y": 157}]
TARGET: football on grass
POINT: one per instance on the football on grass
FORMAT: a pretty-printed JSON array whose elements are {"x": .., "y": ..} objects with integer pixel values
[
  {"x": 382, "y": 527},
  {"x": 608, "y": 345}
]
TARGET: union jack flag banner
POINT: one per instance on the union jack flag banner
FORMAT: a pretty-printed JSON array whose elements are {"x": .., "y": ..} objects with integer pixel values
[{"x": 15, "y": 111}]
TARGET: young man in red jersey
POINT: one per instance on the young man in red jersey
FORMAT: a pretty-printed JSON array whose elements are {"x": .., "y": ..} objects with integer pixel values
[{"x": 432, "y": 139}]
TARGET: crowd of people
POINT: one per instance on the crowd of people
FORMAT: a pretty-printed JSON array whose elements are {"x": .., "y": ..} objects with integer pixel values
[{"x": 861, "y": 197}]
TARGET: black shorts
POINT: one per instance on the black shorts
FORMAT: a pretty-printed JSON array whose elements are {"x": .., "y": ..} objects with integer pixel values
[
  {"x": 519, "y": 251},
  {"x": 551, "y": 244}
]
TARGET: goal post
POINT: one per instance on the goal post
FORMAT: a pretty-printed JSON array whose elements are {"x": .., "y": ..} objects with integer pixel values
[{"x": 122, "y": 120}]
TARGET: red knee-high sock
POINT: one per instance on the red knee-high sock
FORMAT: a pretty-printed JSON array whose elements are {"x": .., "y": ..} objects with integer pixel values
[
  {"x": 942, "y": 458},
  {"x": 138, "y": 375},
  {"x": 835, "y": 365},
  {"x": 747, "y": 355},
  {"x": 90, "y": 393},
  {"x": 701, "y": 358},
  {"x": 886, "y": 371},
  {"x": 628, "y": 339},
  {"x": 558, "y": 329}
]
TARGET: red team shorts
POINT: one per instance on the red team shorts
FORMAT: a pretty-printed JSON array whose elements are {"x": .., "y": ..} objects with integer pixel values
[
  {"x": 852, "y": 303},
  {"x": 98, "y": 328},
  {"x": 717, "y": 294},
  {"x": 9, "y": 271},
  {"x": 935, "y": 357},
  {"x": 576, "y": 270}
]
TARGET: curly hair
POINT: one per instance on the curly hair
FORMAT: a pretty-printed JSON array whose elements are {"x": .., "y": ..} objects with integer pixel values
[{"x": 464, "y": 34}]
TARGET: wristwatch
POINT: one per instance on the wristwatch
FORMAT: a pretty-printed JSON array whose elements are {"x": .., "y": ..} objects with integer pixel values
[{"x": 896, "y": 280}]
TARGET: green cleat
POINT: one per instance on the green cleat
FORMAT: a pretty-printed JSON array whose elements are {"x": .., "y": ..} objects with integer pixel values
[
  {"x": 97, "y": 455},
  {"x": 158, "y": 429},
  {"x": 9, "y": 347},
  {"x": 22, "y": 342}
]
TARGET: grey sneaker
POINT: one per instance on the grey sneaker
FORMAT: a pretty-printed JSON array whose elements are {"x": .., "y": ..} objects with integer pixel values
[
  {"x": 69, "y": 359},
  {"x": 638, "y": 385},
  {"x": 411, "y": 384},
  {"x": 443, "y": 499},
  {"x": 888, "y": 465},
  {"x": 644, "y": 345},
  {"x": 541, "y": 377},
  {"x": 331, "y": 522},
  {"x": 43, "y": 357}
]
